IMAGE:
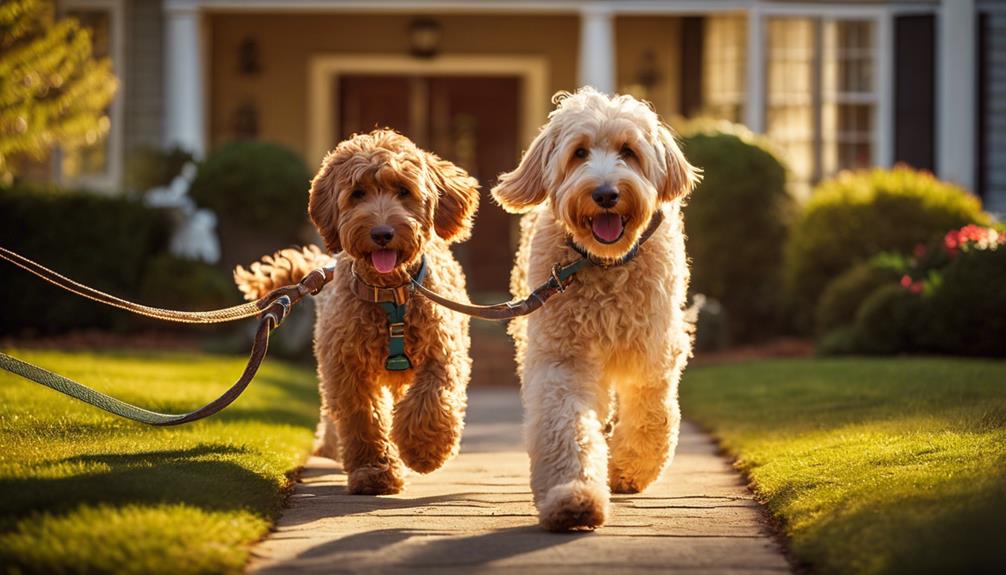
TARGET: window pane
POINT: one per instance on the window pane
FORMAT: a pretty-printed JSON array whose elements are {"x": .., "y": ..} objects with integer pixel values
[
  {"x": 790, "y": 113},
  {"x": 848, "y": 99},
  {"x": 724, "y": 67}
]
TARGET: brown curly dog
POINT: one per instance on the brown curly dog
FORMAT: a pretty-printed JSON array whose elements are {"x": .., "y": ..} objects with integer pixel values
[{"x": 384, "y": 207}]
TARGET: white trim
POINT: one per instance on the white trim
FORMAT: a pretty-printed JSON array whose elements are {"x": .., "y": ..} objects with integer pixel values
[
  {"x": 883, "y": 81},
  {"x": 111, "y": 179},
  {"x": 185, "y": 81},
  {"x": 757, "y": 67},
  {"x": 465, "y": 6},
  {"x": 955, "y": 96},
  {"x": 323, "y": 107},
  {"x": 596, "y": 62}
]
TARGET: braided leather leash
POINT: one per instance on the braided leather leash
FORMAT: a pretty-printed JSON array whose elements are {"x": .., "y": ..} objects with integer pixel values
[{"x": 271, "y": 309}]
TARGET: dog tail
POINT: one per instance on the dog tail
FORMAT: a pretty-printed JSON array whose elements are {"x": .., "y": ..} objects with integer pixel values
[{"x": 282, "y": 268}]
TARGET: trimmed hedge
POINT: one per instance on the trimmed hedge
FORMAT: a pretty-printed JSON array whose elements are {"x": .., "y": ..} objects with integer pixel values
[
  {"x": 737, "y": 221},
  {"x": 257, "y": 185},
  {"x": 98, "y": 240},
  {"x": 966, "y": 312},
  {"x": 860, "y": 214},
  {"x": 843, "y": 296}
]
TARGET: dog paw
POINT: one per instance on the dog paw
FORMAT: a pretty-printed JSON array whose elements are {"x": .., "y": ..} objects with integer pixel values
[
  {"x": 426, "y": 458},
  {"x": 375, "y": 480},
  {"x": 575, "y": 506},
  {"x": 623, "y": 485},
  {"x": 426, "y": 436}
]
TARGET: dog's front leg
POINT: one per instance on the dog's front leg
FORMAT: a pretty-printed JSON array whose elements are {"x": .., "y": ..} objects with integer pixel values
[
  {"x": 429, "y": 418},
  {"x": 647, "y": 431},
  {"x": 363, "y": 418},
  {"x": 569, "y": 456}
]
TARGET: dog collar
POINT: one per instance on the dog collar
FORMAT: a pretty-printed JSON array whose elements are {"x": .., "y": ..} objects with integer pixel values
[{"x": 394, "y": 302}]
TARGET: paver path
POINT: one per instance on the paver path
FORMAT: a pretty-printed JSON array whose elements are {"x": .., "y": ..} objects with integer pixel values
[{"x": 475, "y": 515}]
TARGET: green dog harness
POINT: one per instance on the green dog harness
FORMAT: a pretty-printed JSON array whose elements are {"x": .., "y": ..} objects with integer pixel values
[{"x": 394, "y": 301}]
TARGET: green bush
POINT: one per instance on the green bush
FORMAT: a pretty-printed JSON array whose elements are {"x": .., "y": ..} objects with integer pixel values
[
  {"x": 889, "y": 321},
  {"x": 857, "y": 215},
  {"x": 966, "y": 311},
  {"x": 736, "y": 223},
  {"x": 842, "y": 298},
  {"x": 175, "y": 283},
  {"x": 255, "y": 185},
  {"x": 98, "y": 240}
]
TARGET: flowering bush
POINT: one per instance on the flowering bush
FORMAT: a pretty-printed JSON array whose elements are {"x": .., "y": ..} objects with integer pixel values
[
  {"x": 949, "y": 297},
  {"x": 856, "y": 215},
  {"x": 923, "y": 272}
]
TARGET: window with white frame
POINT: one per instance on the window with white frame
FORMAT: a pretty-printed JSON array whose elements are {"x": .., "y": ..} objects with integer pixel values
[
  {"x": 723, "y": 67},
  {"x": 98, "y": 163},
  {"x": 821, "y": 94}
]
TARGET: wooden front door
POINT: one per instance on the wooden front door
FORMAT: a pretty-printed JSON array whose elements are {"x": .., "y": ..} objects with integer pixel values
[{"x": 469, "y": 120}]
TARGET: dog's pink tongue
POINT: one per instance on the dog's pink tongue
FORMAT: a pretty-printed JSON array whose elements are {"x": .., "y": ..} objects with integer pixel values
[
  {"x": 384, "y": 260},
  {"x": 607, "y": 227}
]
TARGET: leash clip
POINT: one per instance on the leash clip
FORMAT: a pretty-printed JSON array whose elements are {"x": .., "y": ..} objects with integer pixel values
[
  {"x": 558, "y": 281},
  {"x": 284, "y": 304}
]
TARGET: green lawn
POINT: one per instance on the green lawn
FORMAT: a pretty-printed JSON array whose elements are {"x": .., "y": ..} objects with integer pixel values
[
  {"x": 870, "y": 465},
  {"x": 82, "y": 491}
]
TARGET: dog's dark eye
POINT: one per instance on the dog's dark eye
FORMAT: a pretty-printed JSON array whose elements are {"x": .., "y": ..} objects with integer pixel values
[
  {"x": 358, "y": 194},
  {"x": 626, "y": 152},
  {"x": 580, "y": 153},
  {"x": 403, "y": 192}
]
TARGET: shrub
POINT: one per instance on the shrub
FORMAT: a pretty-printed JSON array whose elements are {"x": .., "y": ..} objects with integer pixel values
[
  {"x": 859, "y": 214},
  {"x": 966, "y": 311},
  {"x": 98, "y": 240},
  {"x": 950, "y": 298},
  {"x": 843, "y": 296},
  {"x": 736, "y": 223},
  {"x": 888, "y": 321},
  {"x": 256, "y": 185}
]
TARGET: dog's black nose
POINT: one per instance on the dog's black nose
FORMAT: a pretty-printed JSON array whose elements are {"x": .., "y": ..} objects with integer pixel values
[
  {"x": 382, "y": 234},
  {"x": 605, "y": 196}
]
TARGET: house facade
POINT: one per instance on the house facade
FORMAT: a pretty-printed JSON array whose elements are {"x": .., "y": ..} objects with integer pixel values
[{"x": 837, "y": 85}]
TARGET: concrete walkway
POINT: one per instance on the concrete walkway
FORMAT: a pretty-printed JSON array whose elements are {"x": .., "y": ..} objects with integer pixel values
[{"x": 476, "y": 515}]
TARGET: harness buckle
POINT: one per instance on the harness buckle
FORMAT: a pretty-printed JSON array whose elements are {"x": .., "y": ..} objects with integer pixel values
[{"x": 396, "y": 329}]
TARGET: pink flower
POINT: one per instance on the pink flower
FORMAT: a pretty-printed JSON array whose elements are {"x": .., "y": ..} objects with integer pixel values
[
  {"x": 916, "y": 287},
  {"x": 906, "y": 281}
]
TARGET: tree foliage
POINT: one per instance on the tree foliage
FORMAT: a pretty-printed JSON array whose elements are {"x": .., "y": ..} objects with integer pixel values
[{"x": 52, "y": 88}]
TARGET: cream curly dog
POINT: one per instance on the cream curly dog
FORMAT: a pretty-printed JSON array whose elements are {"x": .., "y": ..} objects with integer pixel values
[
  {"x": 382, "y": 205},
  {"x": 595, "y": 175}
]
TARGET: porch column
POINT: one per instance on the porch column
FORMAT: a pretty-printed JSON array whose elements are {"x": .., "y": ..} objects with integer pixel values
[
  {"x": 955, "y": 108},
  {"x": 597, "y": 48},
  {"x": 754, "y": 106},
  {"x": 184, "y": 119}
]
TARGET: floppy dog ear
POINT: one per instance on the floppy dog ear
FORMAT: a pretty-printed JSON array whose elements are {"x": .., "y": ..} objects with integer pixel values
[
  {"x": 523, "y": 188},
  {"x": 322, "y": 205},
  {"x": 680, "y": 177},
  {"x": 458, "y": 199}
]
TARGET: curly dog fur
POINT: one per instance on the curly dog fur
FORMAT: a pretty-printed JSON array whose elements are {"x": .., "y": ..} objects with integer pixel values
[
  {"x": 600, "y": 364},
  {"x": 378, "y": 419}
]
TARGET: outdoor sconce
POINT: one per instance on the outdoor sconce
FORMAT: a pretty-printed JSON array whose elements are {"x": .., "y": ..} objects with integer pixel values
[
  {"x": 424, "y": 37},
  {"x": 249, "y": 62}
]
